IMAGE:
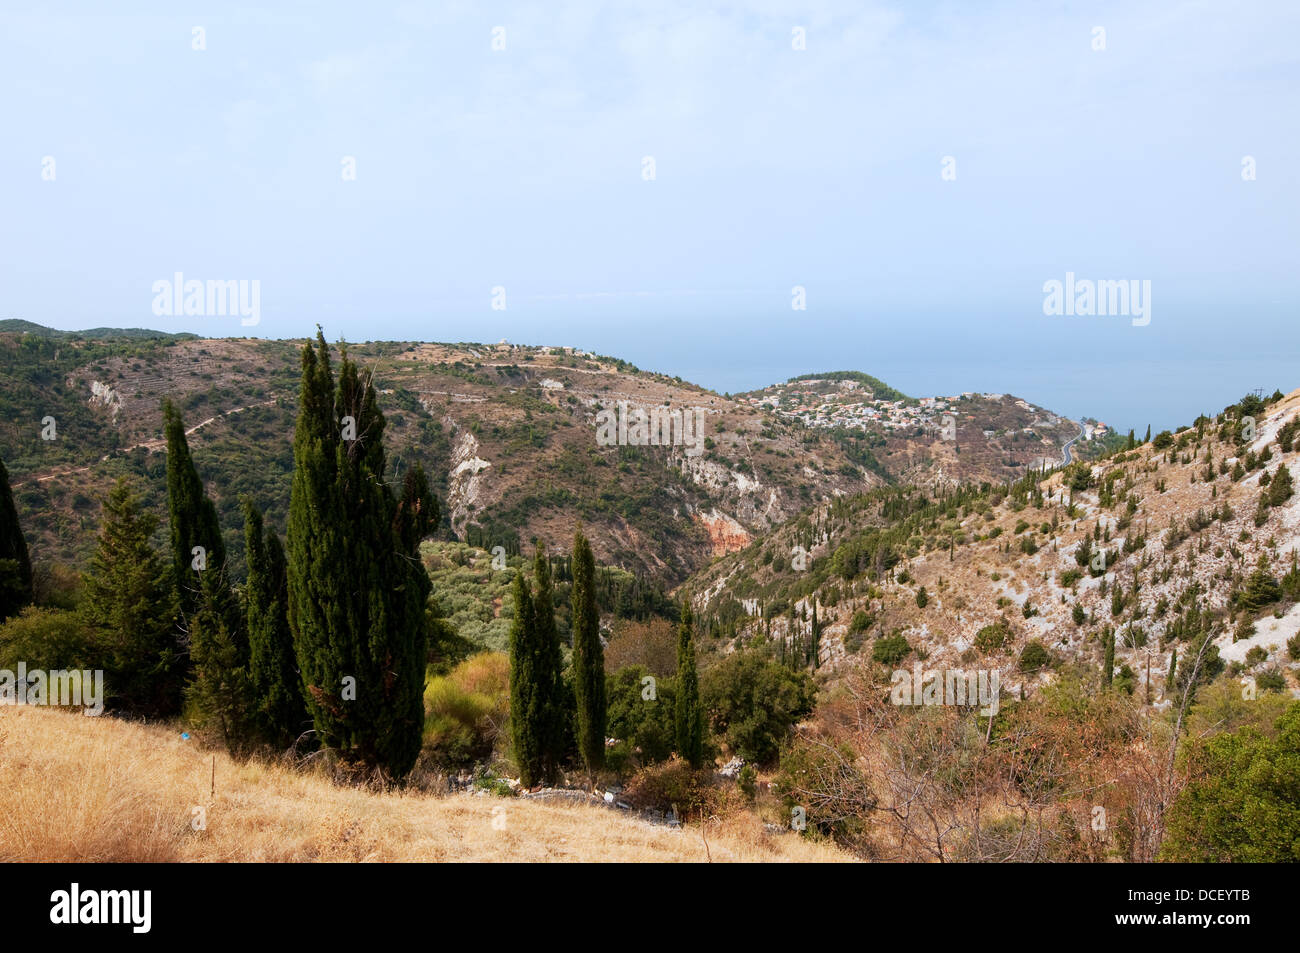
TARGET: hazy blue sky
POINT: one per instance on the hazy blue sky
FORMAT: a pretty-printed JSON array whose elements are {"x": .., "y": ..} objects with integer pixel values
[{"x": 775, "y": 167}]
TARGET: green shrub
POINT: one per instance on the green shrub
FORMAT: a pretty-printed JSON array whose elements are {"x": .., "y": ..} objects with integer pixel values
[
  {"x": 752, "y": 701},
  {"x": 1034, "y": 657},
  {"x": 891, "y": 649},
  {"x": 992, "y": 637}
]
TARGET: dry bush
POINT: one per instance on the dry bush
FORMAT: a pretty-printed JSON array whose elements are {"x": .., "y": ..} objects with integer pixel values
[{"x": 652, "y": 643}]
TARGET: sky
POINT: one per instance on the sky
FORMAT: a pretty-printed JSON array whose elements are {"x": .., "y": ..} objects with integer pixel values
[{"x": 920, "y": 170}]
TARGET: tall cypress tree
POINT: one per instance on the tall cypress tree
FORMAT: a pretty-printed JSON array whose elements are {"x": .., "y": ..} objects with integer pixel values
[
  {"x": 218, "y": 691},
  {"x": 588, "y": 657},
  {"x": 130, "y": 604},
  {"x": 529, "y": 722},
  {"x": 357, "y": 588},
  {"x": 280, "y": 714},
  {"x": 192, "y": 518},
  {"x": 548, "y": 668},
  {"x": 15, "y": 564},
  {"x": 689, "y": 717}
]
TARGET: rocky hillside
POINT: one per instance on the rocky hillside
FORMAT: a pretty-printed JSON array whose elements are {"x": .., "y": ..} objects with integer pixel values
[
  {"x": 511, "y": 435},
  {"x": 1193, "y": 533}
]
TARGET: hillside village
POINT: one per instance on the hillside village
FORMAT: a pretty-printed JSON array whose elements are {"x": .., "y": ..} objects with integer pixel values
[{"x": 844, "y": 402}]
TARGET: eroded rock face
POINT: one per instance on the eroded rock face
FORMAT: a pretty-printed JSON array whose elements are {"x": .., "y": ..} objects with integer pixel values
[
  {"x": 725, "y": 534},
  {"x": 464, "y": 480},
  {"x": 102, "y": 395}
]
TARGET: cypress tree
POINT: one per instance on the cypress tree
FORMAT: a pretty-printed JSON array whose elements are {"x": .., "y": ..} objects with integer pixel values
[
  {"x": 548, "y": 664},
  {"x": 218, "y": 691},
  {"x": 1147, "y": 438},
  {"x": 588, "y": 657},
  {"x": 1173, "y": 668},
  {"x": 357, "y": 589},
  {"x": 192, "y": 517},
  {"x": 15, "y": 564},
  {"x": 528, "y": 700},
  {"x": 130, "y": 604},
  {"x": 1108, "y": 665},
  {"x": 689, "y": 717},
  {"x": 280, "y": 714}
]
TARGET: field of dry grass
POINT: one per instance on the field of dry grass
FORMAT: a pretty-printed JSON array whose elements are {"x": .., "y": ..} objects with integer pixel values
[{"x": 97, "y": 789}]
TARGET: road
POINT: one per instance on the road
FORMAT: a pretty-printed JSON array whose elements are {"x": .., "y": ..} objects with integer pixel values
[{"x": 1065, "y": 451}]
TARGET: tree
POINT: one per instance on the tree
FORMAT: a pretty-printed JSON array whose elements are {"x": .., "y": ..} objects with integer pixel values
[
  {"x": 131, "y": 607},
  {"x": 15, "y": 564},
  {"x": 197, "y": 546},
  {"x": 1242, "y": 804},
  {"x": 1108, "y": 664},
  {"x": 218, "y": 691},
  {"x": 548, "y": 666},
  {"x": 1173, "y": 671},
  {"x": 358, "y": 591},
  {"x": 689, "y": 716},
  {"x": 280, "y": 714},
  {"x": 588, "y": 657},
  {"x": 528, "y": 698},
  {"x": 753, "y": 702},
  {"x": 1282, "y": 487}
]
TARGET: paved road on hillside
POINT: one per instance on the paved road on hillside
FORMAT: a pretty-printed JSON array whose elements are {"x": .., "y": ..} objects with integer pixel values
[{"x": 1065, "y": 451}]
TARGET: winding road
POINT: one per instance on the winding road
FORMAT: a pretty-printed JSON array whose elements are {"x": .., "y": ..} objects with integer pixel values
[{"x": 1065, "y": 450}]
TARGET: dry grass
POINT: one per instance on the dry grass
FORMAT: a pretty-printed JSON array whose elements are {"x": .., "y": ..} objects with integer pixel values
[{"x": 97, "y": 789}]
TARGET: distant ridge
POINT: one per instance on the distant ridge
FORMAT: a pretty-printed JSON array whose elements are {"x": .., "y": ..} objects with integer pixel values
[
  {"x": 19, "y": 326},
  {"x": 879, "y": 389}
]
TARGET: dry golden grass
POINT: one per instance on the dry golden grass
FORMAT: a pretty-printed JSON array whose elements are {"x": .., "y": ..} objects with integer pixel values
[{"x": 98, "y": 789}]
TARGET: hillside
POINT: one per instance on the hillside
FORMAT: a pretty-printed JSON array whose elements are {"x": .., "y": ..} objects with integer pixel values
[
  {"x": 507, "y": 433},
  {"x": 1190, "y": 549},
  {"x": 148, "y": 781}
]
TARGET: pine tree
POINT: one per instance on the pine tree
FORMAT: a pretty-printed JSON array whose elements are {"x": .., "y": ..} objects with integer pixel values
[
  {"x": 280, "y": 714},
  {"x": 529, "y": 708},
  {"x": 588, "y": 657},
  {"x": 689, "y": 717},
  {"x": 357, "y": 589},
  {"x": 1282, "y": 487},
  {"x": 15, "y": 564},
  {"x": 130, "y": 605}
]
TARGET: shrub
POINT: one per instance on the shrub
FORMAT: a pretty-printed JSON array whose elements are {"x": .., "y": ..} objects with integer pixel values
[
  {"x": 1034, "y": 657},
  {"x": 466, "y": 709},
  {"x": 672, "y": 786},
  {"x": 891, "y": 650},
  {"x": 992, "y": 637},
  {"x": 1271, "y": 679},
  {"x": 1242, "y": 804}
]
